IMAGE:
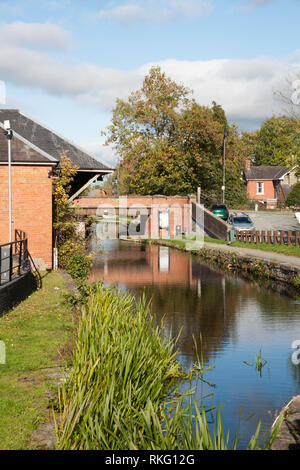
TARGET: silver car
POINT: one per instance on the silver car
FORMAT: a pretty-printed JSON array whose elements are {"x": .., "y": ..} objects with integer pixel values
[{"x": 241, "y": 222}]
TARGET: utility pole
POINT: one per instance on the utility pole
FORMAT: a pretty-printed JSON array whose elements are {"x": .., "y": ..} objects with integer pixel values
[
  {"x": 224, "y": 162},
  {"x": 198, "y": 194},
  {"x": 9, "y": 135}
]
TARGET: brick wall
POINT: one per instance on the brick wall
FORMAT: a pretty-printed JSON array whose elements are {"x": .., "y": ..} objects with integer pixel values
[
  {"x": 179, "y": 208},
  {"x": 269, "y": 192},
  {"x": 31, "y": 209}
]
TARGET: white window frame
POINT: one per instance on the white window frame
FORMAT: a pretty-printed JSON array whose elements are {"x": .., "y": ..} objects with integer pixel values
[{"x": 258, "y": 187}]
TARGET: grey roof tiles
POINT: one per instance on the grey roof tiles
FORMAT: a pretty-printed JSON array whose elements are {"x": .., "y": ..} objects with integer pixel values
[
  {"x": 265, "y": 172},
  {"x": 49, "y": 141}
]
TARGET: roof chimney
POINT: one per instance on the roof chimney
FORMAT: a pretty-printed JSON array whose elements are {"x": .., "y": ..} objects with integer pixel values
[{"x": 247, "y": 163}]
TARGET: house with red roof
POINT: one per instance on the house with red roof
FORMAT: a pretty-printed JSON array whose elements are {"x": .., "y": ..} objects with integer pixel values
[{"x": 269, "y": 185}]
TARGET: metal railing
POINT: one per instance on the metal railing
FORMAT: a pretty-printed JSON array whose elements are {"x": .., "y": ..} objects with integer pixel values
[{"x": 14, "y": 259}]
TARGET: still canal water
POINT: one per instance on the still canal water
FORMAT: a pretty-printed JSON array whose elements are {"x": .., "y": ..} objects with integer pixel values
[{"x": 236, "y": 319}]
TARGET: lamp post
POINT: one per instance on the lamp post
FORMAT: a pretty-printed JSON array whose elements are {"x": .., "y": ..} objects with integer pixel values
[
  {"x": 9, "y": 135},
  {"x": 224, "y": 162}
]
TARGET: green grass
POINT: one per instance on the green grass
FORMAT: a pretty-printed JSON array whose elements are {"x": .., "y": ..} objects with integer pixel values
[
  {"x": 284, "y": 249},
  {"x": 121, "y": 392},
  {"x": 33, "y": 333},
  {"x": 215, "y": 240}
]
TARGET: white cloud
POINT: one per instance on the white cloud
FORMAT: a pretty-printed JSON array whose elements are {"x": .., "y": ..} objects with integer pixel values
[
  {"x": 39, "y": 35},
  {"x": 245, "y": 88},
  {"x": 86, "y": 82},
  {"x": 103, "y": 153},
  {"x": 155, "y": 10}
]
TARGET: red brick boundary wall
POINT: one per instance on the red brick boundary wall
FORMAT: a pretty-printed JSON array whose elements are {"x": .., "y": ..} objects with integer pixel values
[{"x": 31, "y": 209}]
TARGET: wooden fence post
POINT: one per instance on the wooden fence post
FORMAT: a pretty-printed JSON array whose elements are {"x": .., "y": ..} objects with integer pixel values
[
  {"x": 281, "y": 237},
  {"x": 269, "y": 237}
]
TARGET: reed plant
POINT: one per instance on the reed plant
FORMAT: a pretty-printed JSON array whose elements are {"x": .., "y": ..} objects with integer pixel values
[{"x": 122, "y": 391}]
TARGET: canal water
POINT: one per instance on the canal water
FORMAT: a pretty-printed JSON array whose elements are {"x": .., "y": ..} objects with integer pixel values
[{"x": 236, "y": 319}]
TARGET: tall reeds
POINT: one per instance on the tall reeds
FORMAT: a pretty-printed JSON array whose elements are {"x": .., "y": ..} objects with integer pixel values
[{"x": 121, "y": 392}]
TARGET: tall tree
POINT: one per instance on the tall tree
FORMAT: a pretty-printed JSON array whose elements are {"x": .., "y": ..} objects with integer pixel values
[
  {"x": 248, "y": 143},
  {"x": 169, "y": 144},
  {"x": 278, "y": 142}
]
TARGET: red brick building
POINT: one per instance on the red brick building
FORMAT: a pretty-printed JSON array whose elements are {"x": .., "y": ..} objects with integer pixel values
[
  {"x": 269, "y": 185},
  {"x": 35, "y": 153}
]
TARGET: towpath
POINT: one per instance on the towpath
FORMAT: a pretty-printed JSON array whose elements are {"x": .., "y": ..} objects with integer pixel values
[{"x": 280, "y": 258}]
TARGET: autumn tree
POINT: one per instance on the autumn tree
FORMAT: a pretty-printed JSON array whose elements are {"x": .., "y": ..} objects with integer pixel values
[
  {"x": 248, "y": 142},
  {"x": 66, "y": 239},
  {"x": 168, "y": 144}
]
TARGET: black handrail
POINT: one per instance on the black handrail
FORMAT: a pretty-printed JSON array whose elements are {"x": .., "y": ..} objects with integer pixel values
[{"x": 14, "y": 260}]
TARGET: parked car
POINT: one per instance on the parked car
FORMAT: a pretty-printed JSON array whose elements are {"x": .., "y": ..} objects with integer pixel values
[
  {"x": 241, "y": 222},
  {"x": 220, "y": 210}
]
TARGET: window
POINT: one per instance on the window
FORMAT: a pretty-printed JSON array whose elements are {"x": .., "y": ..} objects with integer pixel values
[
  {"x": 241, "y": 220},
  {"x": 164, "y": 221},
  {"x": 260, "y": 188}
]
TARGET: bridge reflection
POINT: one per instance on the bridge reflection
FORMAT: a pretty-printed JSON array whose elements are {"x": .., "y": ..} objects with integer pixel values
[
  {"x": 134, "y": 267},
  {"x": 193, "y": 295}
]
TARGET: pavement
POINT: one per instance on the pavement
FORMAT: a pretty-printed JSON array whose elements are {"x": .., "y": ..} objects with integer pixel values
[
  {"x": 289, "y": 434},
  {"x": 286, "y": 260},
  {"x": 274, "y": 221}
]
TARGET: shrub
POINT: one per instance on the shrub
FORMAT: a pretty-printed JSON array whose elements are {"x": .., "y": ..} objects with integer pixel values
[
  {"x": 79, "y": 266},
  {"x": 293, "y": 198},
  {"x": 296, "y": 282}
]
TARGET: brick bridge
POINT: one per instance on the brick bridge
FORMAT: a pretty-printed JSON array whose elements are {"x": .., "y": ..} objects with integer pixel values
[{"x": 159, "y": 216}]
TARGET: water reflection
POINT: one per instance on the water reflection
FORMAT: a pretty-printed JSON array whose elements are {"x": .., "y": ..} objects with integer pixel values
[{"x": 236, "y": 318}]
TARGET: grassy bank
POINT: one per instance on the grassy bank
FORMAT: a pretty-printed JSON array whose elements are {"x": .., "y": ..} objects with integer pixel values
[
  {"x": 121, "y": 392},
  {"x": 34, "y": 333},
  {"x": 283, "y": 249}
]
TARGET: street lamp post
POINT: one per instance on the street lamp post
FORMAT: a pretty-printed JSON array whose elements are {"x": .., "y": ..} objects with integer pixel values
[
  {"x": 224, "y": 163},
  {"x": 9, "y": 135}
]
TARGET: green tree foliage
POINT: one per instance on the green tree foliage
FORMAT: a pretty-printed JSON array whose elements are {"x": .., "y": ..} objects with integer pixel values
[
  {"x": 248, "y": 142},
  {"x": 293, "y": 198},
  {"x": 66, "y": 239},
  {"x": 168, "y": 144},
  {"x": 278, "y": 142}
]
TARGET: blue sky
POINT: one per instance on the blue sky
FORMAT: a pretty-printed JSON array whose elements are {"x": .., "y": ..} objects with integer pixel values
[{"x": 65, "y": 62}]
